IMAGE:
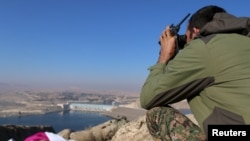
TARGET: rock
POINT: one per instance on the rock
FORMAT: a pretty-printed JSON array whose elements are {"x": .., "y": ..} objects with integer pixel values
[
  {"x": 85, "y": 135},
  {"x": 19, "y": 132},
  {"x": 65, "y": 133},
  {"x": 135, "y": 130},
  {"x": 101, "y": 132}
]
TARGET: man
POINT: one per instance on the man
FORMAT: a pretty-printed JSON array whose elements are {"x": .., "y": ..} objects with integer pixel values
[{"x": 212, "y": 72}]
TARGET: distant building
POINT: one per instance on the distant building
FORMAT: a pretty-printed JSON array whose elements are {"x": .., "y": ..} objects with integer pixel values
[
  {"x": 89, "y": 107},
  {"x": 115, "y": 104},
  {"x": 64, "y": 106}
]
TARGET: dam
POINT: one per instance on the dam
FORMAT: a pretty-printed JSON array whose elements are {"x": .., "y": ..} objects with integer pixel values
[{"x": 82, "y": 106}]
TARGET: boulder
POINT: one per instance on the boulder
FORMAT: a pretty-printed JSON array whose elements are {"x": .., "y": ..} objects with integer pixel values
[
  {"x": 135, "y": 130},
  {"x": 101, "y": 132}
]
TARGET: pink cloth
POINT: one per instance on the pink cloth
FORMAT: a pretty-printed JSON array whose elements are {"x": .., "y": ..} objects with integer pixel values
[
  {"x": 40, "y": 136},
  {"x": 45, "y": 136}
]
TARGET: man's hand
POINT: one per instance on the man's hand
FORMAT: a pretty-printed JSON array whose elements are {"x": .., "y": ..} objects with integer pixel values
[{"x": 168, "y": 43}]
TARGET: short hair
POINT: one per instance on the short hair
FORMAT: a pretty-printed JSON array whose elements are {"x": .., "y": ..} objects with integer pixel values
[{"x": 204, "y": 15}]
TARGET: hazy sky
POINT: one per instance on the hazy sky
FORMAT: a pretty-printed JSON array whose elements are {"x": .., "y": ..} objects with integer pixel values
[{"x": 103, "y": 44}]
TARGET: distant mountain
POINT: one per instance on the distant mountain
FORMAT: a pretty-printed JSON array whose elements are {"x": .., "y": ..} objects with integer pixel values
[
  {"x": 3, "y": 84},
  {"x": 6, "y": 87},
  {"x": 10, "y": 88}
]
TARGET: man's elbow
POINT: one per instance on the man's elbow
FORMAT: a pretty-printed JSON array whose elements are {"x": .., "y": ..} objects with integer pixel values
[{"x": 144, "y": 104}]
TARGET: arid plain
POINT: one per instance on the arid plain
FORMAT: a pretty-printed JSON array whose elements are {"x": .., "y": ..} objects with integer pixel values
[
  {"x": 22, "y": 102},
  {"x": 16, "y": 101}
]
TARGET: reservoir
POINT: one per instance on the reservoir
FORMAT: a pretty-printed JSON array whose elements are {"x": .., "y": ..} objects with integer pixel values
[{"x": 74, "y": 120}]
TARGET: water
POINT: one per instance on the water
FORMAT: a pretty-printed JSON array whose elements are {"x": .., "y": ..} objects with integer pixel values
[{"x": 74, "y": 120}]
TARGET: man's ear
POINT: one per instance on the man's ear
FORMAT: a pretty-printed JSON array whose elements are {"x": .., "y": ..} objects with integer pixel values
[{"x": 196, "y": 30}]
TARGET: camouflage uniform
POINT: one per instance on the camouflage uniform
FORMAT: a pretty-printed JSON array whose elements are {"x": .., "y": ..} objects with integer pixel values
[{"x": 168, "y": 124}]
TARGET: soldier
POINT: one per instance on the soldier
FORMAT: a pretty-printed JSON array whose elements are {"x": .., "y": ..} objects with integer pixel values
[{"x": 211, "y": 72}]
